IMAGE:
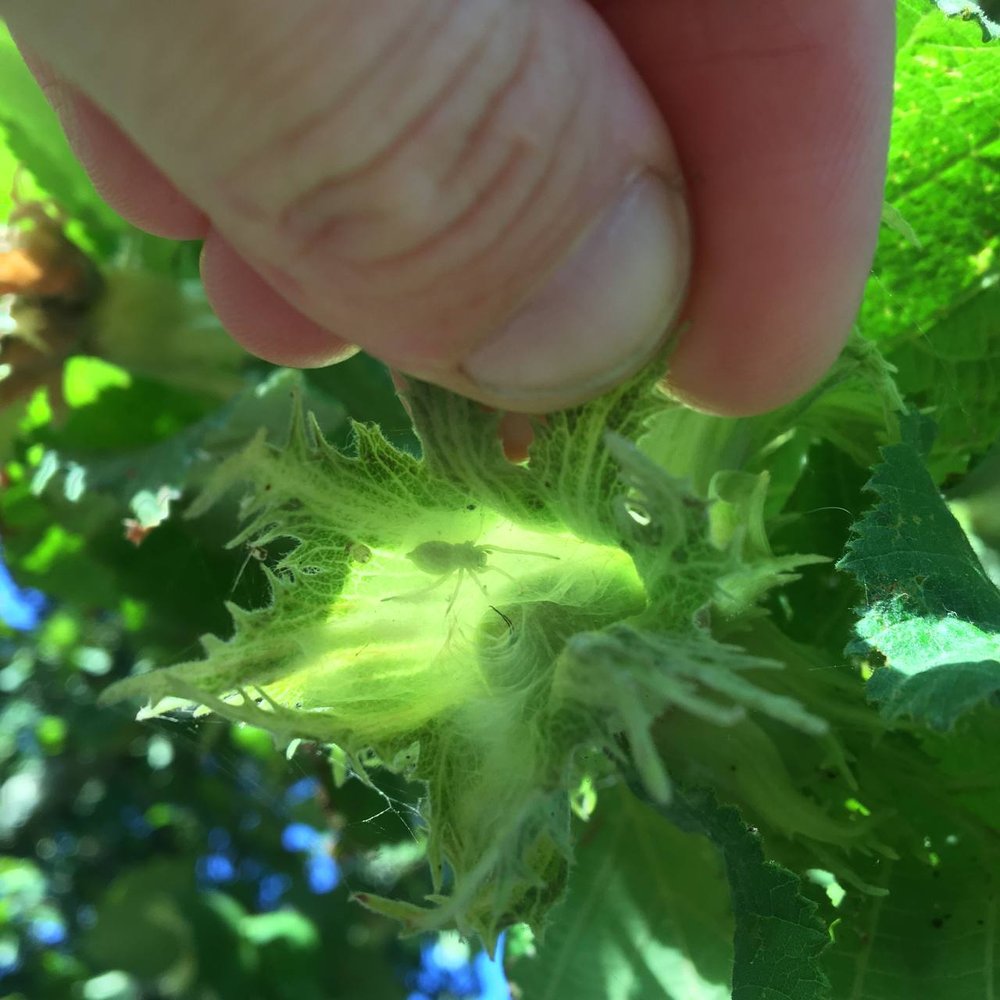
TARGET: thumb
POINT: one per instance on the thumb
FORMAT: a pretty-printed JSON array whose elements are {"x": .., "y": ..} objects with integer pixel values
[{"x": 481, "y": 194}]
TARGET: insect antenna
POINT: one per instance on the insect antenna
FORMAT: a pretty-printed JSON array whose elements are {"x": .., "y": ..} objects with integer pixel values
[{"x": 519, "y": 552}]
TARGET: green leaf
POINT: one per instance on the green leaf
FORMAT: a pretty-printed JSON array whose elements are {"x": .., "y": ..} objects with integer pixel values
[
  {"x": 909, "y": 14},
  {"x": 162, "y": 329},
  {"x": 778, "y": 939},
  {"x": 133, "y": 440},
  {"x": 910, "y": 547},
  {"x": 827, "y": 500},
  {"x": 933, "y": 613},
  {"x": 935, "y": 310},
  {"x": 115, "y": 468},
  {"x": 773, "y": 779},
  {"x": 853, "y": 408},
  {"x": 647, "y": 915},
  {"x": 36, "y": 140},
  {"x": 142, "y": 926},
  {"x": 635, "y": 677},
  {"x": 976, "y": 504},
  {"x": 364, "y": 389},
  {"x": 939, "y": 182},
  {"x": 934, "y": 935},
  {"x": 967, "y": 763},
  {"x": 938, "y": 697},
  {"x": 952, "y": 371},
  {"x": 987, "y": 12}
]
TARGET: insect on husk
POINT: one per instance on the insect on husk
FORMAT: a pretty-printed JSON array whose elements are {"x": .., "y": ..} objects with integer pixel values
[{"x": 444, "y": 559}]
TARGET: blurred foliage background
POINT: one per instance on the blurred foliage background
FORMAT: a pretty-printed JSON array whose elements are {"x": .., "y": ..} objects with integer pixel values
[{"x": 194, "y": 860}]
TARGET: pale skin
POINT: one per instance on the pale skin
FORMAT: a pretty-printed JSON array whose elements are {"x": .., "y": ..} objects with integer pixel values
[{"x": 413, "y": 177}]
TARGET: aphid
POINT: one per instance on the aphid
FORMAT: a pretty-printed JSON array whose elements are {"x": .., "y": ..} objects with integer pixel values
[{"x": 443, "y": 559}]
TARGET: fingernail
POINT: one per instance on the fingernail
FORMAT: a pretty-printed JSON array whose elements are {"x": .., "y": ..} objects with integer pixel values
[{"x": 605, "y": 310}]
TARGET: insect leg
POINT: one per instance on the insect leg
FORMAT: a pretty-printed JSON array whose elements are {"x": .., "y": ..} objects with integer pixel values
[
  {"x": 479, "y": 583},
  {"x": 454, "y": 593},
  {"x": 502, "y": 572},
  {"x": 416, "y": 593},
  {"x": 519, "y": 552}
]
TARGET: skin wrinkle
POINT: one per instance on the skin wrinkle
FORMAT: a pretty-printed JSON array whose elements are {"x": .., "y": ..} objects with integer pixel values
[
  {"x": 460, "y": 301},
  {"x": 533, "y": 196},
  {"x": 533, "y": 239},
  {"x": 374, "y": 138},
  {"x": 485, "y": 120},
  {"x": 428, "y": 282},
  {"x": 429, "y": 278},
  {"x": 290, "y": 144},
  {"x": 498, "y": 290},
  {"x": 511, "y": 291},
  {"x": 537, "y": 242},
  {"x": 512, "y": 219},
  {"x": 572, "y": 230},
  {"x": 303, "y": 206},
  {"x": 464, "y": 222},
  {"x": 493, "y": 237},
  {"x": 527, "y": 208},
  {"x": 298, "y": 44}
]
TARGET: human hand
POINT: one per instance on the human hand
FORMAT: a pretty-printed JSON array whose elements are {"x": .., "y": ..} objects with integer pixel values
[{"x": 483, "y": 193}]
